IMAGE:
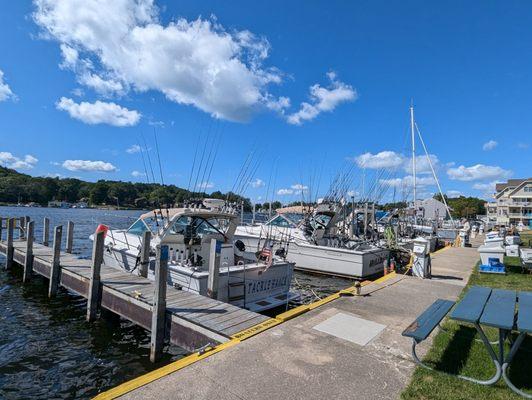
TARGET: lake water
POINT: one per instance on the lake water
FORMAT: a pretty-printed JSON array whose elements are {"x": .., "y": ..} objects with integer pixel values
[{"x": 48, "y": 350}]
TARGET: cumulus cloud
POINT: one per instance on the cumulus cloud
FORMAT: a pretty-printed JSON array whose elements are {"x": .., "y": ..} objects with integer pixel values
[
  {"x": 478, "y": 172},
  {"x": 408, "y": 180},
  {"x": 257, "y": 183},
  {"x": 284, "y": 192},
  {"x": 454, "y": 193},
  {"x": 134, "y": 148},
  {"x": 489, "y": 145},
  {"x": 323, "y": 99},
  {"x": 5, "y": 90},
  {"x": 99, "y": 112},
  {"x": 87, "y": 165},
  {"x": 205, "y": 185},
  {"x": 384, "y": 159},
  {"x": 119, "y": 46},
  {"x": 298, "y": 188},
  {"x": 138, "y": 174},
  {"x": 8, "y": 160},
  {"x": 392, "y": 160}
]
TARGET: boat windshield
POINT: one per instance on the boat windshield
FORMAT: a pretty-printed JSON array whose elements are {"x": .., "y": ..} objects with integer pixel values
[
  {"x": 282, "y": 222},
  {"x": 196, "y": 226},
  {"x": 320, "y": 221},
  {"x": 146, "y": 224}
]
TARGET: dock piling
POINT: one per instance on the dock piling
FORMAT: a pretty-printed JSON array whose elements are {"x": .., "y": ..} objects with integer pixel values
[
  {"x": 28, "y": 260},
  {"x": 93, "y": 300},
  {"x": 1, "y": 227},
  {"x": 158, "y": 319},
  {"x": 145, "y": 254},
  {"x": 46, "y": 231},
  {"x": 70, "y": 237},
  {"x": 10, "y": 249},
  {"x": 21, "y": 222},
  {"x": 214, "y": 270},
  {"x": 55, "y": 267}
]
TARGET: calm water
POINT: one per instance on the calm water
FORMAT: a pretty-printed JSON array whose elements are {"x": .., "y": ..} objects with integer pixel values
[{"x": 47, "y": 350}]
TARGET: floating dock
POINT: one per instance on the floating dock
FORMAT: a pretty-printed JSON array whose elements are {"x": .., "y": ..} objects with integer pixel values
[{"x": 185, "y": 319}]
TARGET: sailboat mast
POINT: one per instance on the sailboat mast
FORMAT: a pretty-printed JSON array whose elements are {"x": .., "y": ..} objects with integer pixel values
[{"x": 413, "y": 150}]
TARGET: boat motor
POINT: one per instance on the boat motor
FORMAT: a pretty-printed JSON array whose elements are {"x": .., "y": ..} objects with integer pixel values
[{"x": 422, "y": 265}]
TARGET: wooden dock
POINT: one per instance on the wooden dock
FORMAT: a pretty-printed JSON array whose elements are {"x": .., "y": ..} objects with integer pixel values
[{"x": 185, "y": 319}]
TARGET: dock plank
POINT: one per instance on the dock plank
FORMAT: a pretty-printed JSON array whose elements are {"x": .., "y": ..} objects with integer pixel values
[{"x": 209, "y": 318}]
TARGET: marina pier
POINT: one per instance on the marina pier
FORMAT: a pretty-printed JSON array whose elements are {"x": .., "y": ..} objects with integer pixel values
[{"x": 185, "y": 319}]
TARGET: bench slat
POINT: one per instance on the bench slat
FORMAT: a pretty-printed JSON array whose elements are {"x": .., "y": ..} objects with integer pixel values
[
  {"x": 524, "y": 316},
  {"x": 499, "y": 311},
  {"x": 423, "y": 326},
  {"x": 471, "y": 307}
]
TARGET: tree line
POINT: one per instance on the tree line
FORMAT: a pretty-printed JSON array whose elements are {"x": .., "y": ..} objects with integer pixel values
[{"x": 22, "y": 188}]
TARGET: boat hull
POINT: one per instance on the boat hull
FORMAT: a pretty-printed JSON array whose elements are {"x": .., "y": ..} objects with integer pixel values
[{"x": 330, "y": 260}]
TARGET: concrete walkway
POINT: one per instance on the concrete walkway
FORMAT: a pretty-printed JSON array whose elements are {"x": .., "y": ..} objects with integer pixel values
[{"x": 323, "y": 354}]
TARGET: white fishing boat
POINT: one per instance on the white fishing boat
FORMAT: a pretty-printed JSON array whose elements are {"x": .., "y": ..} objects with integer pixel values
[
  {"x": 312, "y": 243},
  {"x": 256, "y": 282}
]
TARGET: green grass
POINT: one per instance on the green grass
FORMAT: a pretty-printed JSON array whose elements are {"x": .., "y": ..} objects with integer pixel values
[
  {"x": 526, "y": 238},
  {"x": 457, "y": 352}
]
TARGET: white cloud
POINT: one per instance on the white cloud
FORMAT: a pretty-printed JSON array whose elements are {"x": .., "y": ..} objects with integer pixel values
[
  {"x": 134, "y": 148},
  {"x": 87, "y": 165},
  {"x": 118, "y": 46},
  {"x": 391, "y": 159},
  {"x": 487, "y": 187},
  {"x": 205, "y": 185},
  {"x": 257, "y": 183},
  {"x": 284, "y": 192},
  {"x": 454, "y": 193},
  {"x": 99, "y": 112},
  {"x": 408, "y": 181},
  {"x": 478, "y": 172},
  {"x": 422, "y": 164},
  {"x": 5, "y": 90},
  {"x": 138, "y": 174},
  {"x": 323, "y": 99},
  {"x": 299, "y": 188},
  {"x": 8, "y": 160},
  {"x": 384, "y": 159},
  {"x": 523, "y": 146},
  {"x": 489, "y": 145}
]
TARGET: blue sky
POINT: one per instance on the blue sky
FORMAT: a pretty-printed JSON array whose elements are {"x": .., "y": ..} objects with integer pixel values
[{"x": 82, "y": 80}]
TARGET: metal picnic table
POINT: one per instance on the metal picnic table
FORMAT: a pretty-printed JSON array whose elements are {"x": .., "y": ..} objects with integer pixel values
[{"x": 505, "y": 310}]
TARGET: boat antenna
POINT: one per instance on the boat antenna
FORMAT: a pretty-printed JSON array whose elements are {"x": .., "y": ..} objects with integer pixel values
[
  {"x": 158, "y": 155},
  {"x": 149, "y": 158},
  {"x": 144, "y": 163}
]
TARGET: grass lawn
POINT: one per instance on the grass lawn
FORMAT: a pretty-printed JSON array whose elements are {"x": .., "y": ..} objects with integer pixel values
[{"x": 457, "y": 352}]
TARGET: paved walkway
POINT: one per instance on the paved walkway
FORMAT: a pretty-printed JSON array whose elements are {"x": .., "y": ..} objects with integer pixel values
[{"x": 316, "y": 355}]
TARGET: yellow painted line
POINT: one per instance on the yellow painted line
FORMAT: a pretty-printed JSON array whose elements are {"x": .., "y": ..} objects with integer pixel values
[
  {"x": 254, "y": 330},
  {"x": 142, "y": 380},
  {"x": 149, "y": 377},
  {"x": 386, "y": 277}
]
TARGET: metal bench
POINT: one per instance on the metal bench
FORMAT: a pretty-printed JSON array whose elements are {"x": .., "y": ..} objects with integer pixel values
[{"x": 423, "y": 326}]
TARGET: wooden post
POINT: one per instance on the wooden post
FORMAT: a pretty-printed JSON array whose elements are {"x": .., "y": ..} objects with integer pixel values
[
  {"x": 10, "y": 249},
  {"x": 145, "y": 254},
  {"x": 214, "y": 269},
  {"x": 22, "y": 220},
  {"x": 70, "y": 237},
  {"x": 54, "y": 272},
  {"x": 46, "y": 231},
  {"x": 28, "y": 261},
  {"x": 158, "y": 318},
  {"x": 93, "y": 300},
  {"x": 1, "y": 227}
]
